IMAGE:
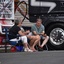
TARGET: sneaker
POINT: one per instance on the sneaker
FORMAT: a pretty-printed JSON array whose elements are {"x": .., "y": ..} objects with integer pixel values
[{"x": 27, "y": 50}]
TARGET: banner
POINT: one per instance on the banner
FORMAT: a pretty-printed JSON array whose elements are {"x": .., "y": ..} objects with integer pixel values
[{"x": 6, "y": 9}]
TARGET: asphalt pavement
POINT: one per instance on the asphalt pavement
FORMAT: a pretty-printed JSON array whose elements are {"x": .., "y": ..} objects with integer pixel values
[{"x": 43, "y": 57}]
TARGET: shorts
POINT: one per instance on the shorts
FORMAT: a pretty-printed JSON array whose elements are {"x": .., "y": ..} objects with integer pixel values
[{"x": 42, "y": 37}]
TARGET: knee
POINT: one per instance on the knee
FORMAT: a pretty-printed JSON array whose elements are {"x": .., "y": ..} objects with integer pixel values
[
  {"x": 47, "y": 37},
  {"x": 38, "y": 37}
]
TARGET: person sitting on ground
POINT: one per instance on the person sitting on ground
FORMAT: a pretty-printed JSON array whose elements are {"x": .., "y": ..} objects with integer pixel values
[
  {"x": 14, "y": 30},
  {"x": 38, "y": 29}
]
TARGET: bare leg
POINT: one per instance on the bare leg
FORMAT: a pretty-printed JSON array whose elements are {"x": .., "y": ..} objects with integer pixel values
[
  {"x": 26, "y": 48},
  {"x": 34, "y": 44},
  {"x": 25, "y": 45},
  {"x": 45, "y": 41},
  {"x": 31, "y": 42},
  {"x": 37, "y": 39}
]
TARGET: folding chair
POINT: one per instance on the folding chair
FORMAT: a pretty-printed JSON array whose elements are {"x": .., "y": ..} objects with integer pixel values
[{"x": 13, "y": 43}]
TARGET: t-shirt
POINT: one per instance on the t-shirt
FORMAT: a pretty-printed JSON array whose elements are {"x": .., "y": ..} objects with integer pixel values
[
  {"x": 38, "y": 29},
  {"x": 13, "y": 32}
]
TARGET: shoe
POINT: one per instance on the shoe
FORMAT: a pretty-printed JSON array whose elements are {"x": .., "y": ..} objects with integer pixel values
[
  {"x": 27, "y": 50},
  {"x": 40, "y": 48}
]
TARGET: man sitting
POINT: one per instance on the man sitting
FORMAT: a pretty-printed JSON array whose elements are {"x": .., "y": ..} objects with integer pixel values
[{"x": 38, "y": 29}]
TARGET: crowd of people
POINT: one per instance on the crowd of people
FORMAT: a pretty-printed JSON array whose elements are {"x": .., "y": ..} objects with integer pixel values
[{"x": 34, "y": 35}]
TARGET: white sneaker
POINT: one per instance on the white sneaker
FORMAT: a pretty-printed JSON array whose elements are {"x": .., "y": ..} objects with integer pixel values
[{"x": 27, "y": 50}]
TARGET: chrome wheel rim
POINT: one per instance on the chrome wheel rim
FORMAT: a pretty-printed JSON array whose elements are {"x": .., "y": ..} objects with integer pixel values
[{"x": 57, "y": 36}]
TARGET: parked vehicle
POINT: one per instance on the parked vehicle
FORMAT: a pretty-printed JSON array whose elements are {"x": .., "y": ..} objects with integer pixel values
[{"x": 52, "y": 14}]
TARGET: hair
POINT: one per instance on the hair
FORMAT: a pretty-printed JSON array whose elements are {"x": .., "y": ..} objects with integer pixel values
[
  {"x": 38, "y": 19},
  {"x": 17, "y": 22}
]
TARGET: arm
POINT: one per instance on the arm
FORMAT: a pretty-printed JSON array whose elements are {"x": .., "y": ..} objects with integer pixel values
[
  {"x": 43, "y": 31},
  {"x": 33, "y": 30},
  {"x": 27, "y": 32},
  {"x": 43, "y": 34},
  {"x": 21, "y": 33}
]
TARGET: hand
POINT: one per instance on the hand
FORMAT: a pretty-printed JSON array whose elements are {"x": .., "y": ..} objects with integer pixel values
[
  {"x": 45, "y": 35},
  {"x": 28, "y": 31}
]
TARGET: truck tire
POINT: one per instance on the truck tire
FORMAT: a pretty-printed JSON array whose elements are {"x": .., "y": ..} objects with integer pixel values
[{"x": 56, "y": 36}]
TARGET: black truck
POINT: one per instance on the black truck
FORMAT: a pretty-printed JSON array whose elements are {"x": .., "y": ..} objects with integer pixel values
[{"x": 52, "y": 14}]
